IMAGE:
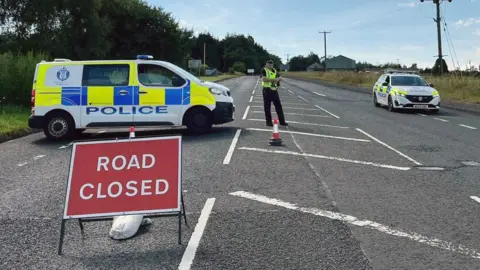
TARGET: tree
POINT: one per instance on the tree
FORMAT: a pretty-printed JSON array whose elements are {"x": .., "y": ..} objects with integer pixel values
[{"x": 239, "y": 67}]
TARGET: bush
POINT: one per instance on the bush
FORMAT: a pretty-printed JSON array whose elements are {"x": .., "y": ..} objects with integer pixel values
[
  {"x": 16, "y": 77},
  {"x": 239, "y": 67}
]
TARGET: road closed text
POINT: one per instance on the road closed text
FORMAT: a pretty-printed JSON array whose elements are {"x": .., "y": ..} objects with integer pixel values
[{"x": 131, "y": 188}]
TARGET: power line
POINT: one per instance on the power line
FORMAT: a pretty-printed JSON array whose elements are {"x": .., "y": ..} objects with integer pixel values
[{"x": 325, "y": 44}]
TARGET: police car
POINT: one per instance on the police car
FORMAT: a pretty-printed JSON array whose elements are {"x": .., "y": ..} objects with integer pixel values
[
  {"x": 71, "y": 96},
  {"x": 405, "y": 90}
]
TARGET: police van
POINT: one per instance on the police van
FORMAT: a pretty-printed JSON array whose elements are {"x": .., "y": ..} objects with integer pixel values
[{"x": 71, "y": 96}]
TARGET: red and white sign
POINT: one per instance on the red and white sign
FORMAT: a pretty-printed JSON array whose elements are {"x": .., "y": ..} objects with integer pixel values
[{"x": 139, "y": 176}]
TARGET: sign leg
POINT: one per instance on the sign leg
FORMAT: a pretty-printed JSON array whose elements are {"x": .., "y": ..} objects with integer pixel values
[
  {"x": 180, "y": 227},
  {"x": 184, "y": 212},
  {"x": 81, "y": 225},
  {"x": 62, "y": 233}
]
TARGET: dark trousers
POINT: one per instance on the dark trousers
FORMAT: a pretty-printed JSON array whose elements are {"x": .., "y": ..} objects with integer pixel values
[{"x": 270, "y": 96}]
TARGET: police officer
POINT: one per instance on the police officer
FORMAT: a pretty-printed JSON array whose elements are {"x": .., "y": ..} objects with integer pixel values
[{"x": 271, "y": 83}]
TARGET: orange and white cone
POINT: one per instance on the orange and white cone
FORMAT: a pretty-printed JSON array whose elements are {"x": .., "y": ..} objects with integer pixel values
[
  {"x": 275, "y": 139},
  {"x": 132, "y": 132}
]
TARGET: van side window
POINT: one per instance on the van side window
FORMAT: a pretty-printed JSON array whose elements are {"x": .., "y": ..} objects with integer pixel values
[
  {"x": 155, "y": 75},
  {"x": 106, "y": 75}
]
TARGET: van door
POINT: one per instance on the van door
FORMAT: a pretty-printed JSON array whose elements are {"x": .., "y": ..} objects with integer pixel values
[
  {"x": 108, "y": 93},
  {"x": 160, "y": 96}
]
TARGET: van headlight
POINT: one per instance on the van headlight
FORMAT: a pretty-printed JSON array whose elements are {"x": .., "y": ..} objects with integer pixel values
[{"x": 217, "y": 91}]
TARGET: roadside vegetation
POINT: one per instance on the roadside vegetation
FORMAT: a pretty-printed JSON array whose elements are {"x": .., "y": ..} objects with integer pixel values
[
  {"x": 96, "y": 30},
  {"x": 451, "y": 87}
]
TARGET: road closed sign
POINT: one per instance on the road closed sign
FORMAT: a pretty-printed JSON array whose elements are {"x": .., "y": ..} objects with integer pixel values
[{"x": 139, "y": 176}]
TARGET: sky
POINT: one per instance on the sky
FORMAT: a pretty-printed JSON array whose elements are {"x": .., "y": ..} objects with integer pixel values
[{"x": 376, "y": 31}]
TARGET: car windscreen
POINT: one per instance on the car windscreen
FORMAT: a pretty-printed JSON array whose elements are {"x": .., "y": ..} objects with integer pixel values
[{"x": 408, "y": 81}]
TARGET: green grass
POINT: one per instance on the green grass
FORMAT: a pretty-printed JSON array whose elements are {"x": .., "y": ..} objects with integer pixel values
[
  {"x": 13, "y": 121},
  {"x": 219, "y": 77},
  {"x": 450, "y": 87}
]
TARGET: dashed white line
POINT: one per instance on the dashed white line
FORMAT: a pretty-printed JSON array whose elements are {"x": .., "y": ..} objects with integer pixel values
[
  {"x": 290, "y": 91},
  {"x": 65, "y": 146},
  {"x": 389, "y": 147},
  {"x": 288, "y": 103},
  {"x": 327, "y": 112},
  {"x": 475, "y": 198},
  {"x": 433, "y": 242},
  {"x": 313, "y": 115},
  {"x": 253, "y": 92},
  {"x": 246, "y": 113},
  {"x": 421, "y": 114},
  {"x": 251, "y": 99},
  {"x": 302, "y": 123},
  {"x": 229, "y": 155},
  {"x": 465, "y": 126},
  {"x": 322, "y": 95},
  {"x": 440, "y": 119},
  {"x": 291, "y": 108},
  {"x": 302, "y": 98},
  {"x": 194, "y": 241},
  {"x": 327, "y": 157},
  {"x": 22, "y": 164},
  {"x": 38, "y": 157},
  {"x": 312, "y": 134}
]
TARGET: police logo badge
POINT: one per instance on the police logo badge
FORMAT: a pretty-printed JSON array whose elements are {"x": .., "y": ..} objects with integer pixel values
[
  {"x": 420, "y": 98},
  {"x": 63, "y": 74}
]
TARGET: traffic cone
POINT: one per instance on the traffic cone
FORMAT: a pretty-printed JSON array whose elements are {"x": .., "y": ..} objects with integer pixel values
[
  {"x": 132, "y": 132},
  {"x": 275, "y": 140}
]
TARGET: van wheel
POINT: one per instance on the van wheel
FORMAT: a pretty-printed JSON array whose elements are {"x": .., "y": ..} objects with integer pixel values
[
  {"x": 59, "y": 126},
  {"x": 375, "y": 103},
  {"x": 199, "y": 120},
  {"x": 390, "y": 105}
]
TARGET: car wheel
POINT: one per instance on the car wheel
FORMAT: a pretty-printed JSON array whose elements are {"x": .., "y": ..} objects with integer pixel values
[
  {"x": 390, "y": 104},
  {"x": 199, "y": 120},
  {"x": 59, "y": 126},
  {"x": 375, "y": 100}
]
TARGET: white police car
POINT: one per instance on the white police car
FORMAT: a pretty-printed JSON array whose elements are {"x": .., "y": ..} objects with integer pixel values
[{"x": 405, "y": 90}]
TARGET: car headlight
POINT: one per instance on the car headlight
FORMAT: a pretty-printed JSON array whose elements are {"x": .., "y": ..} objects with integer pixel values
[
  {"x": 435, "y": 94},
  {"x": 400, "y": 94},
  {"x": 217, "y": 91}
]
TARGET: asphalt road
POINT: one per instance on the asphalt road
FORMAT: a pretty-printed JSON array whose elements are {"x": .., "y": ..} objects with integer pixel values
[{"x": 345, "y": 191}]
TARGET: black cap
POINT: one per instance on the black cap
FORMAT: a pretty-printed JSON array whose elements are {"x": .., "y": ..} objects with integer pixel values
[{"x": 270, "y": 62}]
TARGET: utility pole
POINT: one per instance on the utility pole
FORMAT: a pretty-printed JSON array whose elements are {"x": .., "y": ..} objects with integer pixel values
[
  {"x": 204, "y": 53},
  {"x": 325, "y": 45},
  {"x": 439, "y": 33}
]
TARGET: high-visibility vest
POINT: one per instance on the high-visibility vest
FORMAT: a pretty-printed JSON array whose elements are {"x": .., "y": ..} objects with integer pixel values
[{"x": 271, "y": 75}]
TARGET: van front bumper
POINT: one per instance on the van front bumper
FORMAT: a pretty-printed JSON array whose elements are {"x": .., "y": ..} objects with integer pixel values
[
  {"x": 36, "y": 122},
  {"x": 223, "y": 113}
]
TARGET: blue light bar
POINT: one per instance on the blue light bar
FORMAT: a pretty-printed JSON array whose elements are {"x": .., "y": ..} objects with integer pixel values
[{"x": 144, "y": 57}]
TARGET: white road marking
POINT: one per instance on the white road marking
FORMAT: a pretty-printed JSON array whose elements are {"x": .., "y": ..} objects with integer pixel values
[
  {"x": 313, "y": 115},
  {"x": 302, "y": 123},
  {"x": 288, "y": 103},
  {"x": 431, "y": 168},
  {"x": 65, "y": 146},
  {"x": 312, "y": 134},
  {"x": 229, "y": 155},
  {"x": 194, "y": 241},
  {"x": 465, "y": 126},
  {"x": 433, "y": 242},
  {"x": 290, "y": 91},
  {"x": 421, "y": 114},
  {"x": 475, "y": 198},
  {"x": 22, "y": 164},
  {"x": 327, "y": 111},
  {"x": 38, "y": 157},
  {"x": 319, "y": 94},
  {"x": 471, "y": 163},
  {"x": 246, "y": 113},
  {"x": 440, "y": 119},
  {"x": 302, "y": 98},
  {"x": 291, "y": 108},
  {"x": 391, "y": 148},
  {"x": 251, "y": 99},
  {"x": 327, "y": 157},
  {"x": 253, "y": 92}
]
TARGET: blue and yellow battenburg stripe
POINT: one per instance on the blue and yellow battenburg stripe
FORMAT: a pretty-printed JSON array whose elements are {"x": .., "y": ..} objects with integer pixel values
[{"x": 110, "y": 96}]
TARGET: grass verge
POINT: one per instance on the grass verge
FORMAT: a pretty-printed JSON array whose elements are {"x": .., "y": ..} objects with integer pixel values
[
  {"x": 451, "y": 88},
  {"x": 217, "y": 78},
  {"x": 13, "y": 122}
]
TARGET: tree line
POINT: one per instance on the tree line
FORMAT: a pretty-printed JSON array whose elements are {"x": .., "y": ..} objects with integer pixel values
[
  {"x": 300, "y": 63},
  {"x": 35, "y": 30}
]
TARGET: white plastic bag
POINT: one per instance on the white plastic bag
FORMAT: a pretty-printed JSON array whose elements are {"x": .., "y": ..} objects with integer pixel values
[{"x": 124, "y": 227}]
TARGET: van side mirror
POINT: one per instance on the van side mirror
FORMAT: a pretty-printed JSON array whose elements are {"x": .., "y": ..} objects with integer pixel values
[
  {"x": 177, "y": 81},
  {"x": 431, "y": 85},
  {"x": 385, "y": 84}
]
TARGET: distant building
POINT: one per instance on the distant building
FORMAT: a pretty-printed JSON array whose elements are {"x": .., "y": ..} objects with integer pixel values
[
  {"x": 315, "y": 67},
  {"x": 341, "y": 62}
]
